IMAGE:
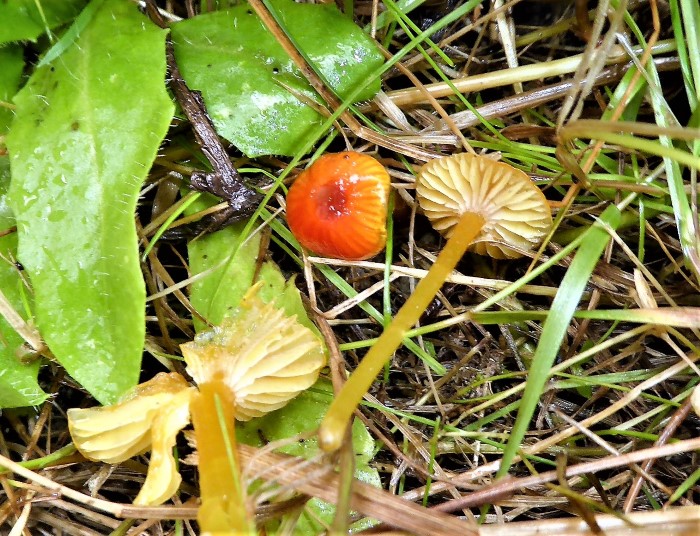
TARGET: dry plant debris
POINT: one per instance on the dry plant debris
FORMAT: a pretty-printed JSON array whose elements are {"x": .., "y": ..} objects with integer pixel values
[{"x": 598, "y": 108}]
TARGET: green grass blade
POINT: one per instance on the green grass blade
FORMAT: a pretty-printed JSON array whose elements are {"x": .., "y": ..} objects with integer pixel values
[
  {"x": 68, "y": 38},
  {"x": 683, "y": 57},
  {"x": 691, "y": 22},
  {"x": 679, "y": 317},
  {"x": 555, "y": 327}
]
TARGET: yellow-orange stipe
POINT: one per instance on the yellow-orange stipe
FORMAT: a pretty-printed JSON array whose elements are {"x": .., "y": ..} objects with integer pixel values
[
  {"x": 253, "y": 363},
  {"x": 331, "y": 432},
  {"x": 223, "y": 508}
]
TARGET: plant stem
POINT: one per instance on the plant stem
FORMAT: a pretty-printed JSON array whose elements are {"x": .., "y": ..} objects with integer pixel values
[
  {"x": 330, "y": 434},
  {"x": 223, "y": 508}
]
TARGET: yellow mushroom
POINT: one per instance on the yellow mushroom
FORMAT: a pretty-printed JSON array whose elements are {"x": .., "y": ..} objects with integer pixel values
[
  {"x": 147, "y": 418},
  {"x": 264, "y": 357},
  {"x": 473, "y": 201},
  {"x": 516, "y": 214},
  {"x": 253, "y": 363}
]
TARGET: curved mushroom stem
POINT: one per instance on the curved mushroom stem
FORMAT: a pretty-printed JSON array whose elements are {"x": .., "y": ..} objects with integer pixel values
[
  {"x": 223, "y": 509},
  {"x": 330, "y": 434}
]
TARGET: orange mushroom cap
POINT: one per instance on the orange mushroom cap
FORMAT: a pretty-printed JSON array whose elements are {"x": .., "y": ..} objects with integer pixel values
[
  {"x": 516, "y": 214},
  {"x": 338, "y": 206}
]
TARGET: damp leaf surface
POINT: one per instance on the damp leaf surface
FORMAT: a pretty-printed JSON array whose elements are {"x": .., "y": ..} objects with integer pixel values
[
  {"x": 255, "y": 95},
  {"x": 87, "y": 128}
]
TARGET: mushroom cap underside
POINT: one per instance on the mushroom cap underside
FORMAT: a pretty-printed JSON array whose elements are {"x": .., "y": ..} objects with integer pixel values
[{"x": 516, "y": 213}]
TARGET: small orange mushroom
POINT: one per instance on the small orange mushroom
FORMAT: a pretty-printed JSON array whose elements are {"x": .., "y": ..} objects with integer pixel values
[{"x": 338, "y": 206}]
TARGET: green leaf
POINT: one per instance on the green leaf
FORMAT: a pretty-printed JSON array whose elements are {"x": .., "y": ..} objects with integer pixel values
[
  {"x": 691, "y": 19},
  {"x": 18, "y": 384},
  {"x": 11, "y": 66},
  {"x": 18, "y": 381},
  {"x": 25, "y": 20},
  {"x": 245, "y": 76},
  {"x": 87, "y": 129},
  {"x": 285, "y": 295},
  {"x": 302, "y": 415},
  {"x": 554, "y": 329},
  {"x": 226, "y": 269}
]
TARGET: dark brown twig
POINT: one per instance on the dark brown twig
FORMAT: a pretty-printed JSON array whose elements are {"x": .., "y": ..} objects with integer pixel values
[{"x": 224, "y": 181}]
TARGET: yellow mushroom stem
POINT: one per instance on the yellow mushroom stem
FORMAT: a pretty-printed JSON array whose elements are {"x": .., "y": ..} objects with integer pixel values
[
  {"x": 330, "y": 434},
  {"x": 223, "y": 509}
]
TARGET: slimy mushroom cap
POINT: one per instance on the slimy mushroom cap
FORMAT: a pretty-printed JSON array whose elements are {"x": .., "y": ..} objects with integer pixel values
[{"x": 338, "y": 206}]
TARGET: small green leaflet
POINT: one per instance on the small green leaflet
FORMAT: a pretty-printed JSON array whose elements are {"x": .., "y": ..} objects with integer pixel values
[{"x": 223, "y": 265}]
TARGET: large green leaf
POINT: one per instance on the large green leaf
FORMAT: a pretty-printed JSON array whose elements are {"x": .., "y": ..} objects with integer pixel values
[
  {"x": 25, "y": 20},
  {"x": 18, "y": 385},
  {"x": 249, "y": 83},
  {"x": 87, "y": 129}
]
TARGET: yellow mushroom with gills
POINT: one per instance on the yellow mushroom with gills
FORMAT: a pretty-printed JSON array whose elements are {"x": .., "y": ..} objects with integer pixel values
[
  {"x": 253, "y": 363},
  {"x": 515, "y": 211},
  {"x": 149, "y": 417},
  {"x": 474, "y": 201}
]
